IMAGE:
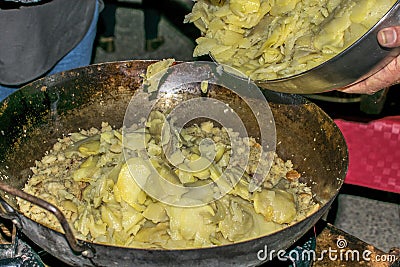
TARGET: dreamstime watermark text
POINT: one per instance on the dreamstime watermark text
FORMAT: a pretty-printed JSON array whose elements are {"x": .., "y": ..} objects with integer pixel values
[{"x": 338, "y": 253}]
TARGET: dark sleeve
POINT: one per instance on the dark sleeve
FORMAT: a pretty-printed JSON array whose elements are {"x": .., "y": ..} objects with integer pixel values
[{"x": 34, "y": 37}]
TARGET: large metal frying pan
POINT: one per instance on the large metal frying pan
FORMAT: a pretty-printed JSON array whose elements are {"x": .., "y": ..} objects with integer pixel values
[{"x": 33, "y": 118}]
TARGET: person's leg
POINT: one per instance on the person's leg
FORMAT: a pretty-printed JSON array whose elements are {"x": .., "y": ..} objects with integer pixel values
[
  {"x": 107, "y": 22},
  {"x": 6, "y": 91},
  {"x": 151, "y": 20},
  {"x": 152, "y": 17},
  {"x": 107, "y": 17}
]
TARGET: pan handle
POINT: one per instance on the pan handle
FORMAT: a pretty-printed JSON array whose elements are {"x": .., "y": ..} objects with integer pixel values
[{"x": 77, "y": 246}]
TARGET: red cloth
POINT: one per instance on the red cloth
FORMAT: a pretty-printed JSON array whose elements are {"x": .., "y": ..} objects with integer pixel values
[{"x": 374, "y": 153}]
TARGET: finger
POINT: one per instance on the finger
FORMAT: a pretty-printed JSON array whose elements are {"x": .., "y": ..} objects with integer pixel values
[
  {"x": 386, "y": 77},
  {"x": 365, "y": 87},
  {"x": 389, "y": 37}
]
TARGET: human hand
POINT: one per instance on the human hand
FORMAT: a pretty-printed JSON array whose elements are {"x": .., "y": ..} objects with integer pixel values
[{"x": 389, "y": 75}]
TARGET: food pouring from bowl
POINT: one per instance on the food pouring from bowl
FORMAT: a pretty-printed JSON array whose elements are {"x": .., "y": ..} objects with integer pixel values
[{"x": 297, "y": 47}]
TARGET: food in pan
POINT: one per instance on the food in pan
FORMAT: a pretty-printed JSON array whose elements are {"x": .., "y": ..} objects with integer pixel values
[
  {"x": 90, "y": 175},
  {"x": 268, "y": 40}
]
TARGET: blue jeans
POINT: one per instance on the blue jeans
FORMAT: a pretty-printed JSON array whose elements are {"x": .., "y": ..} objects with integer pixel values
[{"x": 77, "y": 57}]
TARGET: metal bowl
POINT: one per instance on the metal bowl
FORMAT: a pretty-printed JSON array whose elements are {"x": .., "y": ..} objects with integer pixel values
[{"x": 359, "y": 61}]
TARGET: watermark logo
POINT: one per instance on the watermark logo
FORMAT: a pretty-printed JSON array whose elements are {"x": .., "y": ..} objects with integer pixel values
[
  {"x": 177, "y": 96},
  {"x": 339, "y": 253},
  {"x": 341, "y": 243}
]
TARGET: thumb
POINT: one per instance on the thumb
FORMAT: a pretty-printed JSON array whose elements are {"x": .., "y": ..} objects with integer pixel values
[{"x": 389, "y": 37}]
